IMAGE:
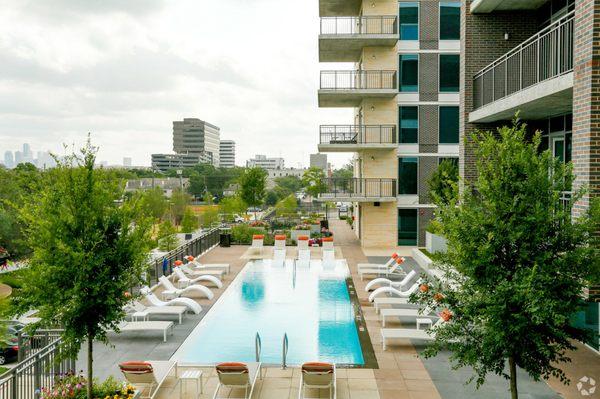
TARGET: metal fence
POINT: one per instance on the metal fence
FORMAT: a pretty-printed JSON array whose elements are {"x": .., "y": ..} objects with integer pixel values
[
  {"x": 359, "y": 187},
  {"x": 546, "y": 55},
  {"x": 358, "y": 80},
  {"x": 31, "y": 344},
  {"x": 366, "y": 25},
  {"x": 194, "y": 247},
  {"x": 357, "y": 134},
  {"x": 39, "y": 370}
]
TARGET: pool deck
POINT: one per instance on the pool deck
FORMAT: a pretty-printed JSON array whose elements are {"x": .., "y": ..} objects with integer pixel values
[{"x": 401, "y": 374}]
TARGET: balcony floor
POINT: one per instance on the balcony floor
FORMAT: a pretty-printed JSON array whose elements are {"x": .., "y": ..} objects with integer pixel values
[
  {"x": 356, "y": 147},
  {"x": 551, "y": 97},
  {"x": 348, "y": 48},
  {"x": 488, "y": 6},
  {"x": 337, "y": 8},
  {"x": 341, "y": 198},
  {"x": 351, "y": 97}
]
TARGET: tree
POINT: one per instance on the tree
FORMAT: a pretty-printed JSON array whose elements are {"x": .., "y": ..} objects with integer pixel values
[
  {"x": 443, "y": 182},
  {"x": 179, "y": 202},
  {"x": 291, "y": 184},
  {"x": 76, "y": 231},
  {"x": 167, "y": 238},
  {"x": 154, "y": 202},
  {"x": 313, "y": 181},
  {"x": 253, "y": 184},
  {"x": 232, "y": 205},
  {"x": 271, "y": 198},
  {"x": 516, "y": 263},
  {"x": 189, "y": 223},
  {"x": 287, "y": 206},
  {"x": 209, "y": 217}
]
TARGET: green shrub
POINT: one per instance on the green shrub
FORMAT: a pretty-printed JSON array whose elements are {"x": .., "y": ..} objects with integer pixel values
[{"x": 242, "y": 234}]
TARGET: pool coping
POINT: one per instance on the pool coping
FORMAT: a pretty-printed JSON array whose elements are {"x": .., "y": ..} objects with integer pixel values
[{"x": 370, "y": 360}]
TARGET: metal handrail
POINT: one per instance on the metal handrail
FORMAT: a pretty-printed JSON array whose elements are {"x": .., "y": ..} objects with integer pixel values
[
  {"x": 545, "y": 55},
  {"x": 257, "y": 347},
  {"x": 358, "y": 187},
  {"x": 358, "y": 80},
  {"x": 357, "y": 134},
  {"x": 284, "y": 351},
  {"x": 364, "y": 25}
]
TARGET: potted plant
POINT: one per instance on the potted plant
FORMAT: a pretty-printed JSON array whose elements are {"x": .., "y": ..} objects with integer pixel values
[{"x": 300, "y": 230}]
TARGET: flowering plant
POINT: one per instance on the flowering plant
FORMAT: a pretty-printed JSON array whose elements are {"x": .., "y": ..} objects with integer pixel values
[
  {"x": 259, "y": 223},
  {"x": 301, "y": 227},
  {"x": 74, "y": 386}
]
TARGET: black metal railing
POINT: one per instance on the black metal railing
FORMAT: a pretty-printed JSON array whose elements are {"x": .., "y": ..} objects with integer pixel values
[
  {"x": 357, "y": 134},
  {"x": 546, "y": 55},
  {"x": 366, "y": 25},
  {"x": 31, "y": 344},
  {"x": 359, "y": 188},
  {"x": 358, "y": 80},
  {"x": 39, "y": 370},
  {"x": 195, "y": 247}
]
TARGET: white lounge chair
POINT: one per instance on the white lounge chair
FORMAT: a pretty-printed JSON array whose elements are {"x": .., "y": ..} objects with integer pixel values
[
  {"x": 408, "y": 333},
  {"x": 403, "y": 314},
  {"x": 279, "y": 250},
  {"x": 189, "y": 303},
  {"x": 137, "y": 310},
  {"x": 328, "y": 251},
  {"x": 147, "y": 375},
  {"x": 237, "y": 375},
  {"x": 393, "y": 291},
  {"x": 187, "y": 269},
  {"x": 197, "y": 265},
  {"x": 257, "y": 243},
  {"x": 386, "y": 265},
  {"x": 142, "y": 326},
  {"x": 303, "y": 249},
  {"x": 171, "y": 291},
  {"x": 183, "y": 280},
  {"x": 394, "y": 270},
  {"x": 318, "y": 376},
  {"x": 386, "y": 300},
  {"x": 382, "y": 281}
]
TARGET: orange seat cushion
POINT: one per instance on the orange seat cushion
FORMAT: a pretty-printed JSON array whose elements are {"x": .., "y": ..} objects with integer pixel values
[
  {"x": 302, "y": 238},
  {"x": 258, "y": 237},
  {"x": 231, "y": 367},
  {"x": 280, "y": 237},
  {"x": 317, "y": 367},
  {"x": 328, "y": 239},
  {"x": 136, "y": 367}
]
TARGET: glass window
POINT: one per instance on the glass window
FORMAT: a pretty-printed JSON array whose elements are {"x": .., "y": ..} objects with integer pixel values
[
  {"x": 407, "y": 226},
  {"x": 409, "y": 73},
  {"x": 450, "y": 20},
  {"x": 449, "y": 72},
  {"x": 448, "y": 125},
  {"x": 409, "y": 125},
  {"x": 407, "y": 175},
  {"x": 409, "y": 21}
]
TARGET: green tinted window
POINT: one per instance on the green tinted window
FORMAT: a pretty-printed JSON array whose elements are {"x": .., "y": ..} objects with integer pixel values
[
  {"x": 449, "y": 21},
  {"x": 409, "y": 21},
  {"x": 449, "y": 72},
  {"x": 409, "y": 125},
  {"x": 409, "y": 73},
  {"x": 407, "y": 175},
  {"x": 448, "y": 125},
  {"x": 407, "y": 226}
]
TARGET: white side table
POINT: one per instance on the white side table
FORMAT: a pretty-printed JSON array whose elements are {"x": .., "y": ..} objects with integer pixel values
[
  {"x": 421, "y": 321},
  {"x": 191, "y": 375},
  {"x": 140, "y": 315}
]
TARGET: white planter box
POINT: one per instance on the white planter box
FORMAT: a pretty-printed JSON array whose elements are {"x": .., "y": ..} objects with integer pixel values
[
  {"x": 315, "y": 228},
  {"x": 422, "y": 259},
  {"x": 435, "y": 243},
  {"x": 295, "y": 233}
]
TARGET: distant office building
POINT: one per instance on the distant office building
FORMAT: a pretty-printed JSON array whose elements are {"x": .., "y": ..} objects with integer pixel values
[
  {"x": 9, "y": 160},
  {"x": 27, "y": 154},
  {"x": 227, "y": 154},
  {"x": 18, "y": 157},
  {"x": 266, "y": 163},
  {"x": 318, "y": 161},
  {"x": 127, "y": 162},
  {"x": 164, "y": 162},
  {"x": 193, "y": 136}
]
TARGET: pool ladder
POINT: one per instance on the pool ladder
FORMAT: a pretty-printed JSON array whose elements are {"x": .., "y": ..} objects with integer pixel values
[
  {"x": 257, "y": 347},
  {"x": 284, "y": 351}
]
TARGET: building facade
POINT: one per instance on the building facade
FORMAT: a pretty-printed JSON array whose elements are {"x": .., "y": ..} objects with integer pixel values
[
  {"x": 404, "y": 88},
  {"x": 193, "y": 136},
  {"x": 227, "y": 154},
  {"x": 164, "y": 162},
  {"x": 262, "y": 161},
  {"x": 319, "y": 161}
]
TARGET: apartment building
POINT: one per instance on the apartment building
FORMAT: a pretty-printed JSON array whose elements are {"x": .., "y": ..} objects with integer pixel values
[
  {"x": 404, "y": 88},
  {"x": 227, "y": 154},
  {"x": 262, "y": 161},
  {"x": 193, "y": 136},
  {"x": 538, "y": 58}
]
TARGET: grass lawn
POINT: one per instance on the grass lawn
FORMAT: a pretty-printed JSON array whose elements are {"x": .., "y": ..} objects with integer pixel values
[{"x": 3, "y": 370}]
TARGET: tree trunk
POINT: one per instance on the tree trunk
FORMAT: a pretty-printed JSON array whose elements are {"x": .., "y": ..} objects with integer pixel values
[
  {"x": 514, "y": 394},
  {"x": 90, "y": 361}
]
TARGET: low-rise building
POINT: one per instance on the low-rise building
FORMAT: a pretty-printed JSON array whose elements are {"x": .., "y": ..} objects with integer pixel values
[
  {"x": 262, "y": 161},
  {"x": 167, "y": 184}
]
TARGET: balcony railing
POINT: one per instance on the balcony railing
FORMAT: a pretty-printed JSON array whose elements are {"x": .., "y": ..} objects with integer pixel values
[
  {"x": 369, "y": 25},
  {"x": 546, "y": 55},
  {"x": 357, "y": 134},
  {"x": 358, "y": 80},
  {"x": 359, "y": 188}
]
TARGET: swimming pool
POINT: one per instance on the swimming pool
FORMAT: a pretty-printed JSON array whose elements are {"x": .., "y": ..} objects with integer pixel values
[{"x": 309, "y": 303}]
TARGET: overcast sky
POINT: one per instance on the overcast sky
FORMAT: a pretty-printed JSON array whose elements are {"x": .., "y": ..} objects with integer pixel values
[{"x": 125, "y": 69}]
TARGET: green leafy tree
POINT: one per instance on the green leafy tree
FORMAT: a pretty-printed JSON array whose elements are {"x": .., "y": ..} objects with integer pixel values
[
  {"x": 271, "y": 198},
  {"x": 167, "y": 236},
  {"x": 443, "y": 183},
  {"x": 189, "y": 223},
  {"x": 209, "y": 217},
  {"x": 232, "y": 205},
  {"x": 516, "y": 264},
  {"x": 154, "y": 202},
  {"x": 287, "y": 206},
  {"x": 253, "y": 183},
  {"x": 291, "y": 184},
  {"x": 313, "y": 181},
  {"x": 205, "y": 177},
  {"x": 76, "y": 231},
  {"x": 179, "y": 203}
]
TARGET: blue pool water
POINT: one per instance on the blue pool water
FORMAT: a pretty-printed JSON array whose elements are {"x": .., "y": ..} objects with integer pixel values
[{"x": 309, "y": 303}]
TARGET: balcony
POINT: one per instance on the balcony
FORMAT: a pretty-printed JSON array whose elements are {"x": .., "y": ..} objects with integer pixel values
[
  {"x": 343, "y": 38},
  {"x": 329, "y": 8},
  {"x": 535, "y": 78},
  {"x": 349, "y": 88},
  {"x": 352, "y": 138},
  {"x": 488, "y": 6},
  {"x": 359, "y": 190}
]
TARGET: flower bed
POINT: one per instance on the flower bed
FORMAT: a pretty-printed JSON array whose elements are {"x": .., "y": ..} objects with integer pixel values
[{"x": 72, "y": 386}]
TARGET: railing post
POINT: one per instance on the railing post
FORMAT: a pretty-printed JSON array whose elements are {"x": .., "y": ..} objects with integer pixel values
[{"x": 37, "y": 374}]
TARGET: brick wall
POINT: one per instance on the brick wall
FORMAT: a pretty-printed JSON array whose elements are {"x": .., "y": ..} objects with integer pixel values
[
  {"x": 425, "y": 215},
  {"x": 428, "y": 76},
  {"x": 429, "y": 32},
  {"x": 427, "y": 165},
  {"x": 428, "y": 128}
]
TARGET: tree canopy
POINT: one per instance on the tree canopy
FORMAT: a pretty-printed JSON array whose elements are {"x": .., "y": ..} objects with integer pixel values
[
  {"x": 253, "y": 183},
  {"x": 443, "y": 183},
  {"x": 313, "y": 181}
]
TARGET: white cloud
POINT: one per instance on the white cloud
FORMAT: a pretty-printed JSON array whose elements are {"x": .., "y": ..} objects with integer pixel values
[{"x": 124, "y": 70}]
